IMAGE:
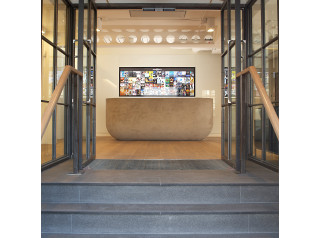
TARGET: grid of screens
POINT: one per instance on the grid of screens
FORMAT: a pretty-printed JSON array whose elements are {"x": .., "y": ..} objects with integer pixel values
[{"x": 151, "y": 81}]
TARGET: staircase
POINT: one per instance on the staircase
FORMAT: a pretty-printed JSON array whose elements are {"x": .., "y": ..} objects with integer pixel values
[{"x": 95, "y": 209}]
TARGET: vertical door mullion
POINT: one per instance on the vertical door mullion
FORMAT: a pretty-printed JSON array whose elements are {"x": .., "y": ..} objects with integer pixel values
[
  {"x": 229, "y": 107},
  {"x": 55, "y": 32},
  {"x": 80, "y": 79},
  {"x": 238, "y": 69},
  {"x": 263, "y": 114},
  {"x": 222, "y": 85}
]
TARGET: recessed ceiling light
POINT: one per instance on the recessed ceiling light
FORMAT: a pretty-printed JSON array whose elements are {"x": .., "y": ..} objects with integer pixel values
[
  {"x": 144, "y": 30},
  {"x": 145, "y": 39},
  {"x": 43, "y": 32},
  {"x": 196, "y": 38},
  {"x": 182, "y": 38},
  {"x": 117, "y": 30},
  {"x": 98, "y": 30},
  {"x": 107, "y": 39},
  {"x": 132, "y": 39},
  {"x": 120, "y": 39},
  {"x": 170, "y": 39},
  {"x": 158, "y": 39},
  {"x": 210, "y": 30}
]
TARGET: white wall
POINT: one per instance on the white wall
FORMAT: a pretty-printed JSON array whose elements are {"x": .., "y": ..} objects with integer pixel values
[{"x": 207, "y": 70}]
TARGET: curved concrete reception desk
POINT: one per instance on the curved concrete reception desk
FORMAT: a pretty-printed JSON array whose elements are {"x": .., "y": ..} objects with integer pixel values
[{"x": 159, "y": 118}]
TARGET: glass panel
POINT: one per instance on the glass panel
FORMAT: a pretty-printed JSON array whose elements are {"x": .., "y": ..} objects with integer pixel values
[
  {"x": 272, "y": 143},
  {"x": 257, "y": 132},
  {"x": 91, "y": 130},
  {"x": 48, "y": 19},
  {"x": 225, "y": 58},
  {"x": 256, "y": 25},
  {"x": 233, "y": 74},
  {"x": 226, "y": 132},
  {"x": 60, "y": 130},
  {"x": 233, "y": 23},
  {"x": 257, "y": 62},
  {"x": 233, "y": 133},
  {"x": 271, "y": 71},
  {"x": 62, "y": 20},
  {"x": 92, "y": 80},
  {"x": 92, "y": 27},
  {"x": 60, "y": 67},
  {"x": 85, "y": 23},
  {"x": 85, "y": 72},
  {"x": 46, "y": 141},
  {"x": 46, "y": 71},
  {"x": 84, "y": 133},
  {"x": 225, "y": 28},
  {"x": 271, "y": 19}
]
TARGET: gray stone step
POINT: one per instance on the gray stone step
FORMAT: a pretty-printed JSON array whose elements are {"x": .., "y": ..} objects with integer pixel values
[
  {"x": 160, "y": 209},
  {"x": 160, "y": 194},
  {"x": 243, "y": 235},
  {"x": 159, "y": 224}
]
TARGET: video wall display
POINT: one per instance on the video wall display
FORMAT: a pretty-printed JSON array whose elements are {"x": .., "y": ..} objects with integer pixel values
[{"x": 160, "y": 82}]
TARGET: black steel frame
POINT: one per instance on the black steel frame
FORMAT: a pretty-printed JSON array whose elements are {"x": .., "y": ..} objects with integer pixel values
[
  {"x": 252, "y": 53},
  {"x": 66, "y": 104}
]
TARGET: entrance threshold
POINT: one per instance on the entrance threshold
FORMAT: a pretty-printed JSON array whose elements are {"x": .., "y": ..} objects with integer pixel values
[{"x": 222, "y": 174}]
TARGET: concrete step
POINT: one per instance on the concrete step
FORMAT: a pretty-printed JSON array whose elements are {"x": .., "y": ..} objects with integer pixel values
[
  {"x": 160, "y": 194},
  {"x": 243, "y": 235},
  {"x": 160, "y": 209}
]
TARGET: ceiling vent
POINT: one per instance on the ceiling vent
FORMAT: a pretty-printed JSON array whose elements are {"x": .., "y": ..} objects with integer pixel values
[{"x": 170, "y": 13}]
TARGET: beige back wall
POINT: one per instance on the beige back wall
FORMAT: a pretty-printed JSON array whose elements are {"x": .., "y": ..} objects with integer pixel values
[{"x": 207, "y": 70}]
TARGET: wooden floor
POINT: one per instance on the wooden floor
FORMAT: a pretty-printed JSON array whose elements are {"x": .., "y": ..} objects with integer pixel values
[{"x": 110, "y": 148}]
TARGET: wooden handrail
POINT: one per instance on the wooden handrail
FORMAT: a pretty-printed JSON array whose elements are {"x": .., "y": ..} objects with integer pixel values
[
  {"x": 264, "y": 97},
  {"x": 56, "y": 95}
]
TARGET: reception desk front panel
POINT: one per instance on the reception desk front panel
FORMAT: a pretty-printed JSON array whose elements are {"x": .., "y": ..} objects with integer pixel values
[{"x": 159, "y": 118}]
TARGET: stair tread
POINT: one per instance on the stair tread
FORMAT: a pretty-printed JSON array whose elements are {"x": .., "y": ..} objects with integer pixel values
[
  {"x": 241, "y": 235},
  {"x": 242, "y": 208}
]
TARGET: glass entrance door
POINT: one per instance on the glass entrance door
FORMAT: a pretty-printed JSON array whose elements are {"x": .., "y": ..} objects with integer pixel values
[
  {"x": 85, "y": 61},
  {"x": 231, "y": 64}
]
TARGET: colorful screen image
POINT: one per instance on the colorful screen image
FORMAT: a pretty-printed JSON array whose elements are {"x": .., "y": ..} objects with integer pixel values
[{"x": 157, "y": 81}]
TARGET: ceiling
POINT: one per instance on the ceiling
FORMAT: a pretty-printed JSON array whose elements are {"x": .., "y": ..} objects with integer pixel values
[{"x": 181, "y": 28}]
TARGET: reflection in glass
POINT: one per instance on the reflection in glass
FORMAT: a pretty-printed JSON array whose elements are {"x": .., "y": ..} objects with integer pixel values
[
  {"x": 232, "y": 25},
  {"x": 62, "y": 20},
  {"x": 60, "y": 130},
  {"x": 225, "y": 109},
  {"x": 48, "y": 19},
  {"x": 233, "y": 74},
  {"x": 92, "y": 79},
  {"x": 60, "y": 67},
  {"x": 84, "y": 119},
  {"x": 257, "y": 62},
  {"x": 93, "y": 29},
  {"x": 256, "y": 25},
  {"x": 271, "y": 19},
  {"x": 225, "y": 28},
  {"x": 91, "y": 129},
  {"x": 233, "y": 133},
  {"x": 257, "y": 132},
  {"x": 85, "y": 23},
  {"x": 272, "y": 143},
  {"x": 85, "y": 73},
  {"x": 47, "y": 75},
  {"x": 225, "y": 82},
  {"x": 46, "y": 141},
  {"x": 271, "y": 71}
]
